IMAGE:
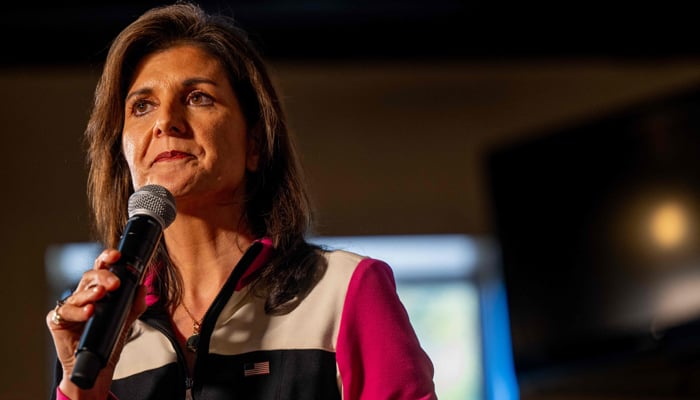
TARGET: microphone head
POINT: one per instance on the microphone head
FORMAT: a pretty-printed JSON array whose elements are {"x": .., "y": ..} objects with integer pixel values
[{"x": 155, "y": 201}]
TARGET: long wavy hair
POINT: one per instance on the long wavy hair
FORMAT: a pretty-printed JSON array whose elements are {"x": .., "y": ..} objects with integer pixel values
[{"x": 277, "y": 205}]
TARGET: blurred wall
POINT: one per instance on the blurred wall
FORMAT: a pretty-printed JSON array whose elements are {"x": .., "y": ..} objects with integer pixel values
[{"x": 389, "y": 148}]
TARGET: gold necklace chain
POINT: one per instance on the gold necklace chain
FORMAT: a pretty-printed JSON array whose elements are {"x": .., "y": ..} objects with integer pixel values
[{"x": 196, "y": 324}]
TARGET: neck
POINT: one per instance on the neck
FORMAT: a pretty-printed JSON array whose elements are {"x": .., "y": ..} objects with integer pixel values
[{"x": 204, "y": 251}]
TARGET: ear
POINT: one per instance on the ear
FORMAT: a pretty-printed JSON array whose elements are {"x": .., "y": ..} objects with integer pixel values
[{"x": 253, "y": 149}]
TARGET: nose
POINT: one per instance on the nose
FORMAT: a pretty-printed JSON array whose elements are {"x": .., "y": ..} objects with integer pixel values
[{"x": 170, "y": 121}]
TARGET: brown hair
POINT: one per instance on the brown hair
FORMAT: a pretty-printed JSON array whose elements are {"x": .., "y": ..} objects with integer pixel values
[{"x": 277, "y": 205}]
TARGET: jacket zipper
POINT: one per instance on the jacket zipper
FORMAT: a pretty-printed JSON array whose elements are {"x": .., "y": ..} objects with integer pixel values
[
  {"x": 219, "y": 302},
  {"x": 189, "y": 381}
]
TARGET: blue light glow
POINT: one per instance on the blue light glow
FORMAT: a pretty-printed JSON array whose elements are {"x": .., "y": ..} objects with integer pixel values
[{"x": 415, "y": 256}]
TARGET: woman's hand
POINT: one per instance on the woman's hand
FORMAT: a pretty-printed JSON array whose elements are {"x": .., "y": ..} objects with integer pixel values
[{"x": 67, "y": 321}]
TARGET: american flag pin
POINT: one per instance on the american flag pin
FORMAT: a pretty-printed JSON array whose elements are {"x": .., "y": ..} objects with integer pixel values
[{"x": 258, "y": 368}]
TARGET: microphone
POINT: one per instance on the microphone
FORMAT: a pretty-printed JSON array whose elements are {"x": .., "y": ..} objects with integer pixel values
[{"x": 151, "y": 210}]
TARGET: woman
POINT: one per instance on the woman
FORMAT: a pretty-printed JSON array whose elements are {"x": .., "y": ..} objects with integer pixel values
[{"x": 236, "y": 303}]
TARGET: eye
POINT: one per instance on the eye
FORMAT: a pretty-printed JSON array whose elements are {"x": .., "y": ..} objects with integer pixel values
[
  {"x": 141, "y": 107},
  {"x": 200, "y": 99}
]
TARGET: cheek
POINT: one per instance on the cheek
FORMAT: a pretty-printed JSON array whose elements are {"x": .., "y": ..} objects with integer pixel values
[
  {"x": 129, "y": 150},
  {"x": 229, "y": 142}
]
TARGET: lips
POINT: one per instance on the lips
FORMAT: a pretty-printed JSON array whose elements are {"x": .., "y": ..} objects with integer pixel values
[{"x": 171, "y": 155}]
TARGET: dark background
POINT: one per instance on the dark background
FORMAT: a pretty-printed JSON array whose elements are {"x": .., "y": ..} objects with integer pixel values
[
  {"x": 73, "y": 32},
  {"x": 597, "y": 304}
]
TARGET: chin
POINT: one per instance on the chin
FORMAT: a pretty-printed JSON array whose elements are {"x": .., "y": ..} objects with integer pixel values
[{"x": 175, "y": 187}]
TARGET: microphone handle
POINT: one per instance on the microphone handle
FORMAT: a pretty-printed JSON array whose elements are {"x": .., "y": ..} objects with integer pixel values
[{"x": 105, "y": 326}]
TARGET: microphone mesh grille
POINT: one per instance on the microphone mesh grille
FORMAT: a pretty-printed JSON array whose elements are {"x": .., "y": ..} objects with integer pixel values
[{"x": 153, "y": 200}]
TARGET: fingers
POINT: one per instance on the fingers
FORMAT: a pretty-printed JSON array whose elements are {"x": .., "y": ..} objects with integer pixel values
[
  {"x": 94, "y": 284},
  {"x": 76, "y": 309},
  {"x": 107, "y": 257},
  {"x": 68, "y": 319},
  {"x": 54, "y": 319},
  {"x": 98, "y": 276}
]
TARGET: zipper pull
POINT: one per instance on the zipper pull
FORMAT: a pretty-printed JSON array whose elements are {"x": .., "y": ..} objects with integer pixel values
[{"x": 188, "y": 388}]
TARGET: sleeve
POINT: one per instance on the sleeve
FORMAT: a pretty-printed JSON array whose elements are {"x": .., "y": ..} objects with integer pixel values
[
  {"x": 58, "y": 376},
  {"x": 61, "y": 396},
  {"x": 378, "y": 353}
]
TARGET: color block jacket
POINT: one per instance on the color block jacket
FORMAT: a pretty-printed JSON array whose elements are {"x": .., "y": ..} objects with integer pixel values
[{"x": 350, "y": 338}]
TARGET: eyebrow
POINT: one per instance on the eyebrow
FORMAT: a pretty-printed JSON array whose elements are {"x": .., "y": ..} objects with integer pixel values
[
  {"x": 194, "y": 81},
  {"x": 186, "y": 83},
  {"x": 138, "y": 92}
]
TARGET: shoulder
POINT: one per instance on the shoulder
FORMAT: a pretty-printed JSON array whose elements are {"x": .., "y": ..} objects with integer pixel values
[
  {"x": 348, "y": 266},
  {"x": 343, "y": 260}
]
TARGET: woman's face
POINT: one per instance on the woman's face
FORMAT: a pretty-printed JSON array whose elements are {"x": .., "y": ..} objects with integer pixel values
[{"x": 184, "y": 129}]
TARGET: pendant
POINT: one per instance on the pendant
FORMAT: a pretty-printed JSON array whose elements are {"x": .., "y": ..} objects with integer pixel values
[{"x": 193, "y": 342}]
